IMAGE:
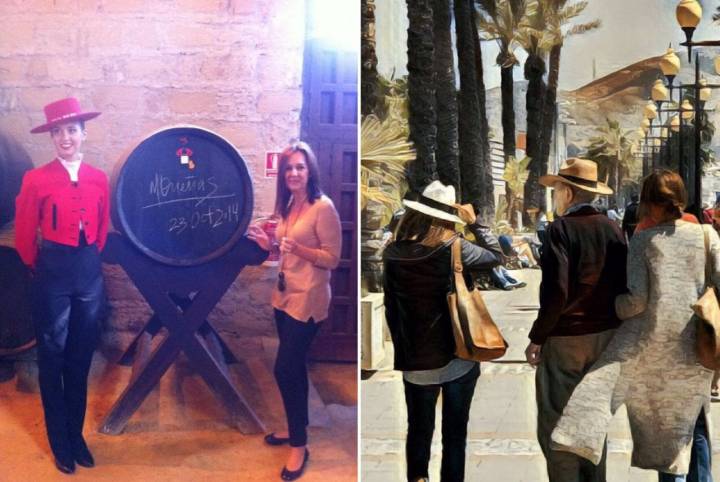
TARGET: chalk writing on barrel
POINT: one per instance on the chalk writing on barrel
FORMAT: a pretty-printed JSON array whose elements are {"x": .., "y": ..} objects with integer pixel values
[
  {"x": 213, "y": 217},
  {"x": 164, "y": 189}
]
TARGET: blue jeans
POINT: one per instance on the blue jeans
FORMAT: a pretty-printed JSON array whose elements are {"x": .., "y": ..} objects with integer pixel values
[
  {"x": 700, "y": 459},
  {"x": 501, "y": 278},
  {"x": 421, "y": 401}
]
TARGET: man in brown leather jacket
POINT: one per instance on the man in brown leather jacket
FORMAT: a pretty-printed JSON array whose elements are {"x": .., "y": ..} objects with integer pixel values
[{"x": 583, "y": 270}]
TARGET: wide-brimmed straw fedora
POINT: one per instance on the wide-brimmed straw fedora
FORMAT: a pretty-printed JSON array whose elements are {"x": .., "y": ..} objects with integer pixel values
[
  {"x": 437, "y": 200},
  {"x": 64, "y": 110},
  {"x": 580, "y": 173}
]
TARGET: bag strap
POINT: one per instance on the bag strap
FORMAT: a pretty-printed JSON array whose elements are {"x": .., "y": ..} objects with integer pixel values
[
  {"x": 456, "y": 263},
  {"x": 708, "y": 258},
  {"x": 457, "y": 255}
]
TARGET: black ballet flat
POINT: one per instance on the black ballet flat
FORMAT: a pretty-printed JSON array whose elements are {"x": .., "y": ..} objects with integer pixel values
[
  {"x": 295, "y": 474},
  {"x": 65, "y": 467},
  {"x": 82, "y": 454},
  {"x": 85, "y": 459},
  {"x": 271, "y": 439}
]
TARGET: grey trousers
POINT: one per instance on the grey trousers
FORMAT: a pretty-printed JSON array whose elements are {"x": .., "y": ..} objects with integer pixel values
[{"x": 564, "y": 362}]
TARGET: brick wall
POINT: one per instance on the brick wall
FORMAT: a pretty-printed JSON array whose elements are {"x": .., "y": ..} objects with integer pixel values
[{"x": 232, "y": 66}]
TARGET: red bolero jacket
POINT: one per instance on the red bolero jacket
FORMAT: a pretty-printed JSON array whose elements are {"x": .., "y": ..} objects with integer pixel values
[{"x": 50, "y": 201}]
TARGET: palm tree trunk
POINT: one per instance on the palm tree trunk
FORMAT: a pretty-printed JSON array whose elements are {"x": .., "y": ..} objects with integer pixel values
[
  {"x": 370, "y": 101},
  {"x": 487, "y": 199},
  {"x": 421, "y": 93},
  {"x": 469, "y": 108},
  {"x": 448, "y": 166},
  {"x": 534, "y": 192},
  {"x": 507, "y": 86},
  {"x": 549, "y": 110}
]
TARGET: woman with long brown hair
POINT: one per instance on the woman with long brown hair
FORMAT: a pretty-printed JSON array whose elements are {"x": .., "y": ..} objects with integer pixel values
[
  {"x": 416, "y": 283},
  {"x": 651, "y": 364},
  {"x": 310, "y": 240}
]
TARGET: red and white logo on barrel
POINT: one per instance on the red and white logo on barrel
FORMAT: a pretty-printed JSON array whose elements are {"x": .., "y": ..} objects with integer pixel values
[{"x": 184, "y": 154}]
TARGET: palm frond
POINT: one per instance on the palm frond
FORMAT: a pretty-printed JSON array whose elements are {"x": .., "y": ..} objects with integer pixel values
[
  {"x": 571, "y": 11},
  {"x": 502, "y": 26},
  {"x": 385, "y": 152},
  {"x": 489, "y": 28},
  {"x": 516, "y": 172},
  {"x": 487, "y": 6},
  {"x": 584, "y": 27}
]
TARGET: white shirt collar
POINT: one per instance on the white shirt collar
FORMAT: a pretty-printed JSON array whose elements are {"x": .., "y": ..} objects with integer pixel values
[{"x": 72, "y": 167}]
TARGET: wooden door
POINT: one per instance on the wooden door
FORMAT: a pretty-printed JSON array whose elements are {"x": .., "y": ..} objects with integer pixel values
[{"x": 329, "y": 125}]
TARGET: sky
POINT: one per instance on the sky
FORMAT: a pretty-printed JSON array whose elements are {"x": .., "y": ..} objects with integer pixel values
[{"x": 631, "y": 30}]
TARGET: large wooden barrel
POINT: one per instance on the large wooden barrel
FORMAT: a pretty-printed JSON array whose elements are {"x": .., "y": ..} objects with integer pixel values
[
  {"x": 16, "y": 328},
  {"x": 183, "y": 196},
  {"x": 14, "y": 161}
]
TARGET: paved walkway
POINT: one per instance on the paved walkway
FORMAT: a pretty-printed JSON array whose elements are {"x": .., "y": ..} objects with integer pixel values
[{"x": 501, "y": 433}]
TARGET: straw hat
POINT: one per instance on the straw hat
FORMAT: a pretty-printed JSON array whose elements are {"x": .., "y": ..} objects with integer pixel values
[
  {"x": 438, "y": 201},
  {"x": 579, "y": 173}
]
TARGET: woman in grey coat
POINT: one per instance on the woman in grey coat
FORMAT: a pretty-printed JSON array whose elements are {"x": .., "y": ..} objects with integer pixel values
[{"x": 650, "y": 364}]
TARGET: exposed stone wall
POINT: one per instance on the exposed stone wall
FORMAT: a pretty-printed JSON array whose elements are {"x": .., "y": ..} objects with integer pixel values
[{"x": 232, "y": 66}]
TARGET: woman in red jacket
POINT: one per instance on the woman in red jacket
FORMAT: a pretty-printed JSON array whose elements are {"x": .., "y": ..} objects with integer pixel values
[{"x": 62, "y": 217}]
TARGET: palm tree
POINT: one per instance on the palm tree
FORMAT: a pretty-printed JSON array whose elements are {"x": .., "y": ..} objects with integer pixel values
[
  {"x": 475, "y": 168},
  {"x": 370, "y": 101},
  {"x": 446, "y": 94},
  {"x": 559, "y": 15},
  {"x": 612, "y": 150},
  {"x": 515, "y": 175},
  {"x": 501, "y": 22},
  {"x": 488, "y": 187},
  {"x": 537, "y": 40},
  {"x": 421, "y": 92}
]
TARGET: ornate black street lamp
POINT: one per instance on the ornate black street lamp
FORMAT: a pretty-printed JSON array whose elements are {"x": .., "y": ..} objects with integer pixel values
[{"x": 689, "y": 13}]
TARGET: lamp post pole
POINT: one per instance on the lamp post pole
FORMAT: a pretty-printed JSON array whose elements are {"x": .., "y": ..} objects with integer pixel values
[
  {"x": 688, "y": 14},
  {"x": 698, "y": 126}
]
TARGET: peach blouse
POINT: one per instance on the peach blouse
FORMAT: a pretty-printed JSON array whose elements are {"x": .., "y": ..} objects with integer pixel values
[{"x": 307, "y": 270}]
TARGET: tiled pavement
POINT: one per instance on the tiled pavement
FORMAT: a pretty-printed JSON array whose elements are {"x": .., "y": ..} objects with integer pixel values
[{"x": 501, "y": 433}]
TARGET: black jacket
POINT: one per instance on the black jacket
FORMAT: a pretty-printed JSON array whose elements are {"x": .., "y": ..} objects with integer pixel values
[
  {"x": 583, "y": 270},
  {"x": 630, "y": 219},
  {"x": 417, "y": 280}
]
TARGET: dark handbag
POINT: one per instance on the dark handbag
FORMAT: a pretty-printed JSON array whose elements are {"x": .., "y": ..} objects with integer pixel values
[
  {"x": 707, "y": 342},
  {"x": 477, "y": 337}
]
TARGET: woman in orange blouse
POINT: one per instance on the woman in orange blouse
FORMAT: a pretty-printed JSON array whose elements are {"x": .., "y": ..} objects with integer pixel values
[{"x": 310, "y": 238}]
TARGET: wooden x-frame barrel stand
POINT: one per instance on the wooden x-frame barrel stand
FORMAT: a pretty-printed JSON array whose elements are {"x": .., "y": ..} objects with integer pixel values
[{"x": 181, "y": 299}]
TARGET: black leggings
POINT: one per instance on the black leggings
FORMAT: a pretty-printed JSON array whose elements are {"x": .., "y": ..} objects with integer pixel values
[{"x": 291, "y": 372}]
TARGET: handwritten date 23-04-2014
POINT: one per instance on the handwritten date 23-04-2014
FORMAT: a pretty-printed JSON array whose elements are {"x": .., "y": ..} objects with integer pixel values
[{"x": 212, "y": 217}]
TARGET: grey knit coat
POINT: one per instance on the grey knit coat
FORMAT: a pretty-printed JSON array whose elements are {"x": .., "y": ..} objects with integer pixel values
[{"x": 650, "y": 365}]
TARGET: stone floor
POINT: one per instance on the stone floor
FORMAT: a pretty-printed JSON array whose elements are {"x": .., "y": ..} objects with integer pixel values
[
  {"x": 181, "y": 433},
  {"x": 501, "y": 433}
]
